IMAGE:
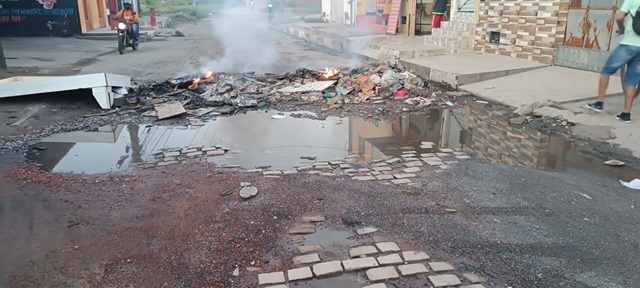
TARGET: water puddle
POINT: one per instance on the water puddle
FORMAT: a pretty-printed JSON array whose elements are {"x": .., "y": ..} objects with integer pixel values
[
  {"x": 328, "y": 237},
  {"x": 349, "y": 280},
  {"x": 255, "y": 138}
]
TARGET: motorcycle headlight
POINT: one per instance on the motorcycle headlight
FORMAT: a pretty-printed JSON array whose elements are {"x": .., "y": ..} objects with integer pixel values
[{"x": 122, "y": 26}]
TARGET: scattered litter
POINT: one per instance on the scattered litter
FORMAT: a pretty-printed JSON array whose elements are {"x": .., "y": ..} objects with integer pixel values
[
  {"x": 482, "y": 102},
  {"x": 207, "y": 94},
  {"x": 517, "y": 120},
  {"x": 366, "y": 230},
  {"x": 634, "y": 184},
  {"x": 314, "y": 86},
  {"x": 278, "y": 116},
  {"x": 366, "y": 85},
  {"x": 614, "y": 162},
  {"x": 585, "y": 196},
  {"x": 400, "y": 93},
  {"x": 527, "y": 109},
  {"x": 248, "y": 192},
  {"x": 168, "y": 110},
  {"x": 227, "y": 192},
  {"x": 101, "y": 114},
  {"x": 389, "y": 78},
  {"x": 200, "y": 111}
]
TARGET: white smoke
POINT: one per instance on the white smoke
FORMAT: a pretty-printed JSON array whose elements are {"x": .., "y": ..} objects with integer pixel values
[{"x": 247, "y": 41}]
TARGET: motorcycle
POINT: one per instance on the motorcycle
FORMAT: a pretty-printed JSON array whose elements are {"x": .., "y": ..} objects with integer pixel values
[
  {"x": 125, "y": 37},
  {"x": 270, "y": 10}
]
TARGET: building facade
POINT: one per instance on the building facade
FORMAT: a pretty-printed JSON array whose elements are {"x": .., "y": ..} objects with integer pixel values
[
  {"x": 522, "y": 29},
  {"x": 55, "y": 17},
  {"x": 39, "y": 18}
]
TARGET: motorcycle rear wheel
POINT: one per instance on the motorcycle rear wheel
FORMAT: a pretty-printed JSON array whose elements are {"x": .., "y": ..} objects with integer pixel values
[{"x": 121, "y": 45}]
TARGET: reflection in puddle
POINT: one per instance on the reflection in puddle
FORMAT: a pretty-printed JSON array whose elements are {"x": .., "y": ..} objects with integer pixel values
[
  {"x": 262, "y": 140},
  {"x": 259, "y": 140}
]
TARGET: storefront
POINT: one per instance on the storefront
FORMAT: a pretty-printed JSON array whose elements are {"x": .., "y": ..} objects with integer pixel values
[
  {"x": 51, "y": 17},
  {"x": 39, "y": 18}
]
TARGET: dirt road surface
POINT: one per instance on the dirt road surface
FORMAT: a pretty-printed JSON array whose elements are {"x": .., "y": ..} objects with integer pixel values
[{"x": 569, "y": 224}]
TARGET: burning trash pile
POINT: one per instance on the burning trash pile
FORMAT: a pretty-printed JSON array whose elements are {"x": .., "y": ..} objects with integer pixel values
[{"x": 225, "y": 93}]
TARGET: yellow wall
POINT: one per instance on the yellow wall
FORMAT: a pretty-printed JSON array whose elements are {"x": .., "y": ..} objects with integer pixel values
[
  {"x": 361, "y": 7},
  {"x": 94, "y": 14},
  {"x": 385, "y": 5}
]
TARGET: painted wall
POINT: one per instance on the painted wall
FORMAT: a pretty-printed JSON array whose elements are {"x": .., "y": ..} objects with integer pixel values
[
  {"x": 528, "y": 29},
  {"x": 97, "y": 12},
  {"x": 38, "y": 18}
]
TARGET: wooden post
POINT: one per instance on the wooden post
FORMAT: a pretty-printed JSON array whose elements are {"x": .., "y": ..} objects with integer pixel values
[
  {"x": 152, "y": 16},
  {"x": 193, "y": 4}
]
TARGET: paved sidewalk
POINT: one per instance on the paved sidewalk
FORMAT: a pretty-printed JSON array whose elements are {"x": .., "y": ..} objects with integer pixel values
[{"x": 557, "y": 84}]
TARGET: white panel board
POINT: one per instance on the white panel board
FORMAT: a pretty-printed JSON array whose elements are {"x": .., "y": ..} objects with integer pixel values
[{"x": 101, "y": 84}]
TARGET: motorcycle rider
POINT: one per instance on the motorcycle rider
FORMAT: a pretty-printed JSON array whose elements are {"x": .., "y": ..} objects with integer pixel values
[{"x": 131, "y": 17}]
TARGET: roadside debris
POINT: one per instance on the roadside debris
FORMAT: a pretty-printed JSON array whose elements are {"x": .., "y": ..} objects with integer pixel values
[
  {"x": 168, "y": 110},
  {"x": 517, "y": 120},
  {"x": 634, "y": 184},
  {"x": 227, "y": 192},
  {"x": 247, "y": 192},
  {"x": 614, "y": 162},
  {"x": 527, "y": 109},
  {"x": 101, "y": 114},
  {"x": 209, "y": 93}
]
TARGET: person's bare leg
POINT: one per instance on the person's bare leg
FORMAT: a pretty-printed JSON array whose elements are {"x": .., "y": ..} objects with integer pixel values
[
  {"x": 603, "y": 84},
  {"x": 629, "y": 95}
]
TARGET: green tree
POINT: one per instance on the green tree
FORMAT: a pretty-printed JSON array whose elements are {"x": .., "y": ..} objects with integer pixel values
[{"x": 3, "y": 62}]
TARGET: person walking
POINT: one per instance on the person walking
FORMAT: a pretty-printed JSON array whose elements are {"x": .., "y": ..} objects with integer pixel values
[
  {"x": 627, "y": 53},
  {"x": 438, "y": 10}
]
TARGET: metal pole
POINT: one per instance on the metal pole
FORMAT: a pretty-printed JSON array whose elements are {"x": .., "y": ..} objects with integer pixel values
[{"x": 3, "y": 62}]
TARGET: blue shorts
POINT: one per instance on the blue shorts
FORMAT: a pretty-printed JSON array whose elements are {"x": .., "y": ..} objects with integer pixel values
[{"x": 624, "y": 54}]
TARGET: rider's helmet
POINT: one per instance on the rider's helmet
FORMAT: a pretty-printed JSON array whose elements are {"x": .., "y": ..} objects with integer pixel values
[{"x": 127, "y": 4}]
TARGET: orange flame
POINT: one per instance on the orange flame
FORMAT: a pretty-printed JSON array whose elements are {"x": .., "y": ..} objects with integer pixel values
[
  {"x": 195, "y": 83},
  {"x": 208, "y": 74},
  {"x": 330, "y": 72}
]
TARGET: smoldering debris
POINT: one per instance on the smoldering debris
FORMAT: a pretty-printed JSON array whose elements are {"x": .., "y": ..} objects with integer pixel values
[{"x": 213, "y": 93}]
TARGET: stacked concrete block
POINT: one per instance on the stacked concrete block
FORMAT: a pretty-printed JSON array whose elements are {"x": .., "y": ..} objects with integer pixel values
[
  {"x": 528, "y": 29},
  {"x": 453, "y": 36}
]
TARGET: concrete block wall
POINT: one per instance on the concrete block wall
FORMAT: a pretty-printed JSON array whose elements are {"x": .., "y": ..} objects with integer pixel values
[
  {"x": 453, "y": 36},
  {"x": 491, "y": 143},
  {"x": 529, "y": 29}
]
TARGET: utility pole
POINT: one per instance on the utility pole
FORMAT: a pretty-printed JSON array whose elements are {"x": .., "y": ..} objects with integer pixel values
[
  {"x": 3, "y": 62},
  {"x": 193, "y": 5}
]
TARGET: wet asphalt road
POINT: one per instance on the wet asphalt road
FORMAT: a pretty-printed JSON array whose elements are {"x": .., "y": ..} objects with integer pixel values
[{"x": 528, "y": 228}]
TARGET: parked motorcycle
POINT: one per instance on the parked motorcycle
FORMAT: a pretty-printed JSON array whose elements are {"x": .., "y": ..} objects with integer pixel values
[
  {"x": 270, "y": 10},
  {"x": 125, "y": 37}
]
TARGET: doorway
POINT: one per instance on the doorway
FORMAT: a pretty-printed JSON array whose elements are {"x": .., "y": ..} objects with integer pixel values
[
  {"x": 101, "y": 13},
  {"x": 87, "y": 18}
]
